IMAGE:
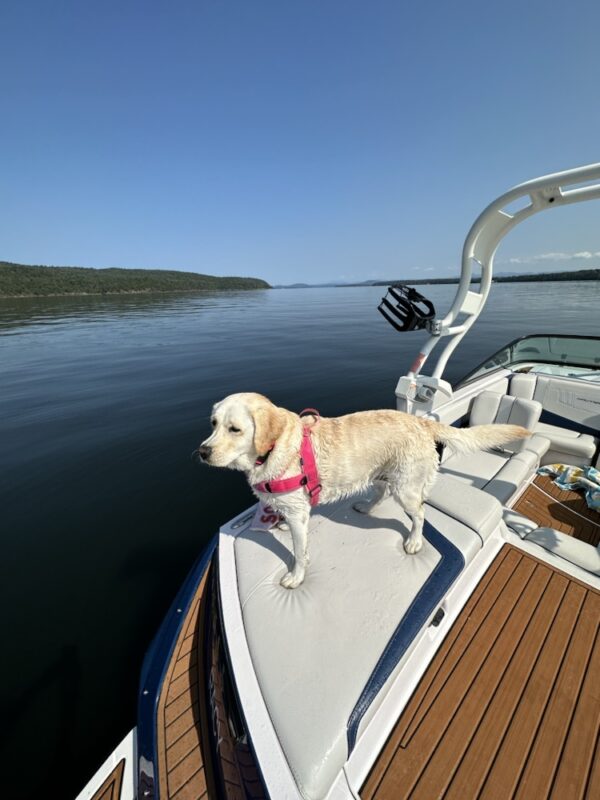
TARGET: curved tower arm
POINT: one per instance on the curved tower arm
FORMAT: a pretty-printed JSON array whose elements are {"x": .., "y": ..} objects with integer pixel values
[{"x": 416, "y": 392}]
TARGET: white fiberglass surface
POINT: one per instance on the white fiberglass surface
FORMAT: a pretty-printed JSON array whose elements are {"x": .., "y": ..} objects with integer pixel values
[{"x": 581, "y": 373}]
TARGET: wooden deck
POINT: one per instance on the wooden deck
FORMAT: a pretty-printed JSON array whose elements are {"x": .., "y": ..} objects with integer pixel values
[
  {"x": 510, "y": 705},
  {"x": 202, "y": 748},
  {"x": 182, "y": 772},
  {"x": 565, "y": 511},
  {"x": 111, "y": 788}
]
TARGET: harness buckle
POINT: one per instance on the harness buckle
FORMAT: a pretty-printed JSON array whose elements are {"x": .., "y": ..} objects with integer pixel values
[{"x": 314, "y": 490}]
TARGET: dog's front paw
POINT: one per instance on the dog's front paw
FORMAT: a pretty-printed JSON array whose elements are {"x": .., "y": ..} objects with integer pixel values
[
  {"x": 282, "y": 525},
  {"x": 413, "y": 544},
  {"x": 291, "y": 580}
]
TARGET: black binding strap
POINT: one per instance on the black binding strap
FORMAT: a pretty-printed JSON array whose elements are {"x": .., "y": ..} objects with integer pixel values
[{"x": 406, "y": 309}]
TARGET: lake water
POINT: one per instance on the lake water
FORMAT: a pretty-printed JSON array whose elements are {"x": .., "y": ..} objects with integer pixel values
[{"x": 101, "y": 402}]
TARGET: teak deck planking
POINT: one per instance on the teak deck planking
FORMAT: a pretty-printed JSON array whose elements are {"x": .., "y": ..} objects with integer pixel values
[
  {"x": 509, "y": 707},
  {"x": 195, "y": 698},
  {"x": 111, "y": 788},
  {"x": 182, "y": 773}
]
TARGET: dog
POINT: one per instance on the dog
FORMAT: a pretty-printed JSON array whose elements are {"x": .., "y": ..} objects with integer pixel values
[{"x": 394, "y": 451}]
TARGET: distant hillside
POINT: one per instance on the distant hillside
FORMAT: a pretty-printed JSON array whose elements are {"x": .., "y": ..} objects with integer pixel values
[
  {"x": 577, "y": 275},
  {"x": 19, "y": 280},
  {"x": 572, "y": 275},
  {"x": 499, "y": 277}
]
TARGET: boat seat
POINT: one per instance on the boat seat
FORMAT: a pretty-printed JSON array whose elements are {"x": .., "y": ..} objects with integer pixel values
[
  {"x": 566, "y": 446},
  {"x": 363, "y": 603},
  {"x": 500, "y": 472},
  {"x": 582, "y": 554}
]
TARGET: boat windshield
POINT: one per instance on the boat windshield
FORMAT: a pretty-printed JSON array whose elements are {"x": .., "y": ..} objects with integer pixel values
[{"x": 565, "y": 356}]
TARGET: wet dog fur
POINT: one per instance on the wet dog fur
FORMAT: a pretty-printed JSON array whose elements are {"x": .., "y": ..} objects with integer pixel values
[{"x": 391, "y": 450}]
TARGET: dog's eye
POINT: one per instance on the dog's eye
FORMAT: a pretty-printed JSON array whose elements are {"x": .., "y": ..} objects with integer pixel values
[
  {"x": 213, "y": 422},
  {"x": 233, "y": 429}
]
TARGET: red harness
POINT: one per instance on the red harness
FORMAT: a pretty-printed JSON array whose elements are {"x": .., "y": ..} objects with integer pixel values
[{"x": 309, "y": 475}]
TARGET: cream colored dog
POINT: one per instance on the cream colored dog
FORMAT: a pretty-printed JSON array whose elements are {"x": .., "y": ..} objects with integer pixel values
[{"x": 389, "y": 449}]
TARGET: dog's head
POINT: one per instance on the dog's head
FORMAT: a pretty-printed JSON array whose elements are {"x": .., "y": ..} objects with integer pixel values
[{"x": 245, "y": 426}]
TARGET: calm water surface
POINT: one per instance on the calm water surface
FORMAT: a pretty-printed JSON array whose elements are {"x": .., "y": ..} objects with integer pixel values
[{"x": 102, "y": 512}]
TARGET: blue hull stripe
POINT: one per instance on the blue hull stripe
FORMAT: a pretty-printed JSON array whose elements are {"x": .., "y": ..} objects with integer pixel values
[{"x": 435, "y": 587}]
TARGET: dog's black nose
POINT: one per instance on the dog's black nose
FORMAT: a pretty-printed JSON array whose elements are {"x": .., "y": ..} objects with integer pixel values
[{"x": 204, "y": 452}]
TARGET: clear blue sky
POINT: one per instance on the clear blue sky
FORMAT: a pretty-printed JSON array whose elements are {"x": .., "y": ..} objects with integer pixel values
[{"x": 292, "y": 140}]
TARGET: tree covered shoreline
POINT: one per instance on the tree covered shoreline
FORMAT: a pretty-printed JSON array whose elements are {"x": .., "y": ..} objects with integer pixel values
[{"x": 21, "y": 280}]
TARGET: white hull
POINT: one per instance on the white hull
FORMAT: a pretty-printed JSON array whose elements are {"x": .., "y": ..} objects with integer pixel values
[{"x": 121, "y": 767}]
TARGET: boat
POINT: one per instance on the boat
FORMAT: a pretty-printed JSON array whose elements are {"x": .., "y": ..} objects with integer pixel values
[{"x": 467, "y": 671}]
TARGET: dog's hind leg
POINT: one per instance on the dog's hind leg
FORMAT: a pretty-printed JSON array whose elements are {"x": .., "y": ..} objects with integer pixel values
[
  {"x": 382, "y": 490},
  {"x": 410, "y": 489},
  {"x": 299, "y": 529},
  {"x": 413, "y": 505}
]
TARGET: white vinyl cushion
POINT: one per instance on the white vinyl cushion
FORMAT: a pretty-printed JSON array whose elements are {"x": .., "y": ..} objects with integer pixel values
[
  {"x": 580, "y": 553},
  {"x": 566, "y": 446},
  {"x": 518, "y": 523},
  {"x": 536, "y": 444},
  {"x": 314, "y": 648},
  {"x": 476, "y": 469},
  {"x": 501, "y": 409},
  {"x": 580, "y": 446},
  {"x": 500, "y": 472},
  {"x": 473, "y": 509},
  {"x": 523, "y": 385}
]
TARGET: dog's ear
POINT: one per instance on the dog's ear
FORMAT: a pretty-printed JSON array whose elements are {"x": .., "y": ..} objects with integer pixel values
[{"x": 269, "y": 422}]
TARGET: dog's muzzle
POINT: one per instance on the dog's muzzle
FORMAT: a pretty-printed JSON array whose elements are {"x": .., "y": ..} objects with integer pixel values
[{"x": 201, "y": 454}]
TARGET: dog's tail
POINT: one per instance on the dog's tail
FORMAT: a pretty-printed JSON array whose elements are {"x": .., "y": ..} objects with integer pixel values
[{"x": 479, "y": 437}]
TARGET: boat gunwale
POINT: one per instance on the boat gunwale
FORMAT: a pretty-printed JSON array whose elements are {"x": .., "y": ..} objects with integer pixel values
[{"x": 154, "y": 669}]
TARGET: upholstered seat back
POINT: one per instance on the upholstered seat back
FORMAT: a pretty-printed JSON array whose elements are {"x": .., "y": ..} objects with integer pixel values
[
  {"x": 490, "y": 407},
  {"x": 568, "y": 445}
]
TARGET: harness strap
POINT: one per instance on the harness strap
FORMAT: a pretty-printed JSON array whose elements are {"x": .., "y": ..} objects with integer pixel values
[{"x": 309, "y": 475}]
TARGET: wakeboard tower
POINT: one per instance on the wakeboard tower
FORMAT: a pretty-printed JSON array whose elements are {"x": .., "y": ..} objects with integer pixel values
[{"x": 407, "y": 310}]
